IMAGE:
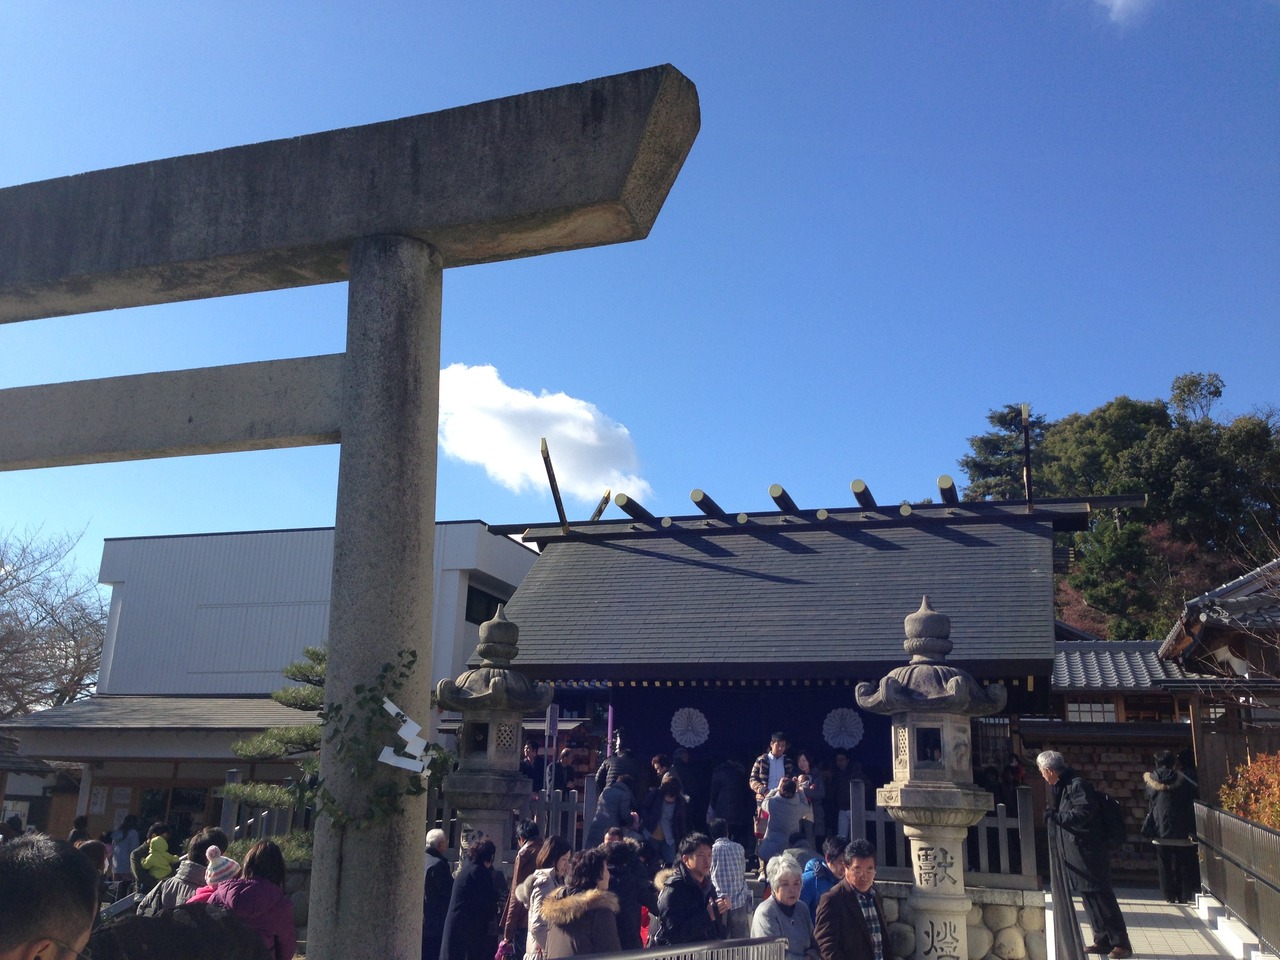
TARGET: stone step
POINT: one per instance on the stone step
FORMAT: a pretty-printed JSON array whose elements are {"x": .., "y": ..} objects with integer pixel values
[
  {"x": 1209, "y": 909},
  {"x": 1237, "y": 939}
]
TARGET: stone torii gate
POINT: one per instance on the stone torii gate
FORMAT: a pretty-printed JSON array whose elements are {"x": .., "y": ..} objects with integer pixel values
[{"x": 386, "y": 207}]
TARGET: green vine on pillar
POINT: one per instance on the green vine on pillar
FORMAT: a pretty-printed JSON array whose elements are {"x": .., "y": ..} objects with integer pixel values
[{"x": 359, "y": 730}]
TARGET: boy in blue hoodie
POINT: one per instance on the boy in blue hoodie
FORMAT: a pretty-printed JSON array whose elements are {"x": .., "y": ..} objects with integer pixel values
[{"x": 823, "y": 873}]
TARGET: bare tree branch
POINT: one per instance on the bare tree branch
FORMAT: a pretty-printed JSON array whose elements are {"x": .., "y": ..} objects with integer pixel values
[{"x": 52, "y": 624}]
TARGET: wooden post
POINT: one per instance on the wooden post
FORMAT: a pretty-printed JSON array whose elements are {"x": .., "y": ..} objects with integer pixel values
[
  {"x": 1027, "y": 832},
  {"x": 230, "y": 809}
]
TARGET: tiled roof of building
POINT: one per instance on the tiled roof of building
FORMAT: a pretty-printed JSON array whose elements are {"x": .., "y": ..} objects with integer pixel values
[
  {"x": 782, "y": 597},
  {"x": 11, "y": 762},
  {"x": 164, "y": 713},
  {"x": 1097, "y": 666},
  {"x": 1249, "y": 603}
]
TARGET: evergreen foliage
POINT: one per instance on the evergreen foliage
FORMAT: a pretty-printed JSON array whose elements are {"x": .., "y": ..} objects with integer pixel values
[
  {"x": 1213, "y": 489},
  {"x": 299, "y": 744},
  {"x": 994, "y": 468}
]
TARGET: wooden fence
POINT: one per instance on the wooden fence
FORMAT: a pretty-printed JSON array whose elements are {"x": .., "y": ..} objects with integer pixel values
[{"x": 1000, "y": 850}]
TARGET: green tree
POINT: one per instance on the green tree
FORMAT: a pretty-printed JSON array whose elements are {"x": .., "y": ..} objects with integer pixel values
[
  {"x": 297, "y": 744},
  {"x": 363, "y": 727},
  {"x": 1213, "y": 505},
  {"x": 994, "y": 468},
  {"x": 1112, "y": 575},
  {"x": 1193, "y": 395},
  {"x": 1088, "y": 455}
]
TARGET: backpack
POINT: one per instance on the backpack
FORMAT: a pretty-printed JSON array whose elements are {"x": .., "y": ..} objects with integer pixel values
[
  {"x": 1111, "y": 830},
  {"x": 1111, "y": 820}
]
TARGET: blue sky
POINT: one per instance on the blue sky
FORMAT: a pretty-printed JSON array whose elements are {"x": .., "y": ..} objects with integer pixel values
[{"x": 896, "y": 216}]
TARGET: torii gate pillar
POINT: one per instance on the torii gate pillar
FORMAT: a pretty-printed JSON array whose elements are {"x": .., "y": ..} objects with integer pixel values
[
  {"x": 382, "y": 581},
  {"x": 387, "y": 206}
]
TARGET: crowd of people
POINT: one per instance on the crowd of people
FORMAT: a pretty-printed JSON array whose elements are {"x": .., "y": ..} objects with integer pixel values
[
  {"x": 784, "y": 802},
  {"x": 645, "y": 877},
  {"x": 197, "y": 904},
  {"x": 616, "y": 896},
  {"x": 777, "y": 815},
  {"x": 666, "y": 861}
]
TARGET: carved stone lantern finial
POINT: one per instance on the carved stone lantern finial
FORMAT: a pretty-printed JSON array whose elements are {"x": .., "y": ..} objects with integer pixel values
[
  {"x": 499, "y": 640},
  {"x": 928, "y": 633}
]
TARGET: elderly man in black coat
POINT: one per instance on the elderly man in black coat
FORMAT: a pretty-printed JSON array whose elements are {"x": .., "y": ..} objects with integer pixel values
[
  {"x": 437, "y": 889},
  {"x": 1076, "y": 814}
]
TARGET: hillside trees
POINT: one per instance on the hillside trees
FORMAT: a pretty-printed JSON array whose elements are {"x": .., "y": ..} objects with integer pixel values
[
  {"x": 52, "y": 624},
  {"x": 1213, "y": 491}
]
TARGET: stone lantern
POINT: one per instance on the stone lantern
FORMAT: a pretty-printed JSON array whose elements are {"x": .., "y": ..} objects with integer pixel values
[
  {"x": 932, "y": 793},
  {"x": 493, "y": 699}
]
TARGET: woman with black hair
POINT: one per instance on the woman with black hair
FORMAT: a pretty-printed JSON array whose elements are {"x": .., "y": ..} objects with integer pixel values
[
  {"x": 471, "y": 925},
  {"x": 665, "y": 818},
  {"x": 581, "y": 915},
  {"x": 1171, "y": 826},
  {"x": 550, "y": 870},
  {"x": 632, "y": 881}
]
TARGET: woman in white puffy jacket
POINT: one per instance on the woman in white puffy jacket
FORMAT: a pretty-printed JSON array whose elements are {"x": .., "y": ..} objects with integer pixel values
[{"x": 552, "y": 863}]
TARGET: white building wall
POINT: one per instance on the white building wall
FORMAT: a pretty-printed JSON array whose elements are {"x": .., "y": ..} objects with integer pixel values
[{"x": 224, "y": 613}]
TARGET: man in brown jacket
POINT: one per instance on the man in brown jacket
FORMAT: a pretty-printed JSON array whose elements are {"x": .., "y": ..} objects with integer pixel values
[{"x": 850, "y": 924}]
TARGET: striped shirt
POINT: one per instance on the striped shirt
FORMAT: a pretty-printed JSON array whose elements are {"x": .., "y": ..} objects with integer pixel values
[{"x": 729, "y": 872}]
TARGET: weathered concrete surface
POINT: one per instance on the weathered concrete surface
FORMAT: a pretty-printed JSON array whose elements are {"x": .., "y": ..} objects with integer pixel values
[
  {"x": 366, "y": 888},
  {"x": 574, "y": 166},
  {"x": 246, "y": 406}
]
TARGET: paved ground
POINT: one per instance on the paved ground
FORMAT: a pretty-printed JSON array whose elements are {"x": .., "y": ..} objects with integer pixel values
[{"x": 1164, "y": 931}]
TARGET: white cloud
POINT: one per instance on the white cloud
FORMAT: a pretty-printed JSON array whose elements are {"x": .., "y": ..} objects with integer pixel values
[
  {"x": 1124, "y": 11},
  {"x": 487, "y": 423}
]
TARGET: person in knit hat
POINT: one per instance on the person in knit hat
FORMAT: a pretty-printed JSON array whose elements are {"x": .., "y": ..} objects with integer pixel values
[
  {"x": 188, "y": 878},
  {"x": 220, "y": 868}
]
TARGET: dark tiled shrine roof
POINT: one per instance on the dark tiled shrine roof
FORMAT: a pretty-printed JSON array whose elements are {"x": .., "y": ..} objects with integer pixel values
[{"x": 782, "y": 596}]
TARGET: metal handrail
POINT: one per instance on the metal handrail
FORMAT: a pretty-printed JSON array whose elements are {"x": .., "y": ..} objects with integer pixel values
[
  {"x": 757, "y": 948},
  {"x": 1067, "y": 938},
  {"x": 1241, "y": 868},
  {"x": 1236, "y": 862}
]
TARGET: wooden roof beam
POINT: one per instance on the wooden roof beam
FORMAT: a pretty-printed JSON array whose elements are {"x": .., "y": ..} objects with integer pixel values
[
  {"x": 783, "y": 499},
  {"x": 862, "y": 493},
  {"x": 703, "y": 502},
  {"x": 947, "y": 488},
  {"x": 632, "y": 509}
]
